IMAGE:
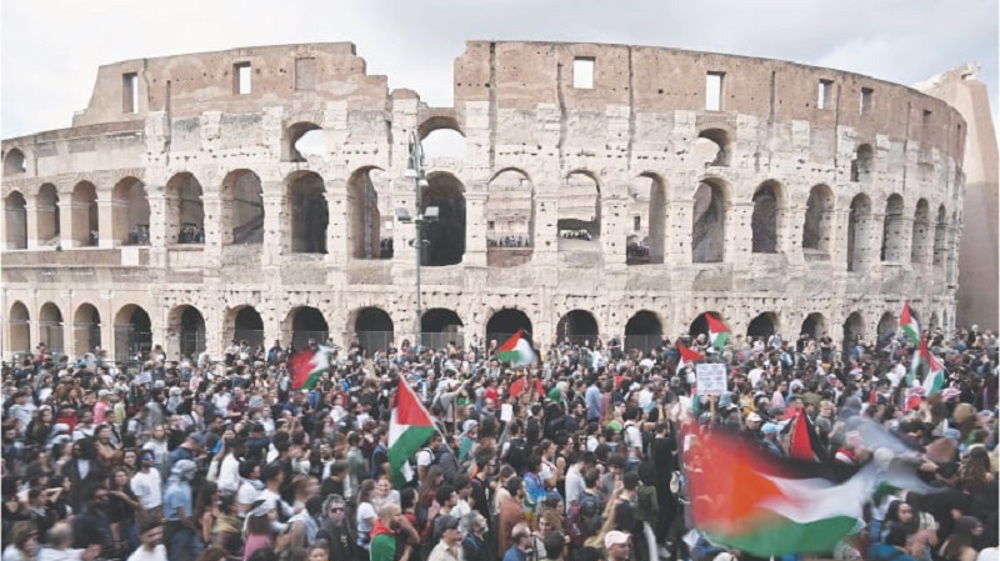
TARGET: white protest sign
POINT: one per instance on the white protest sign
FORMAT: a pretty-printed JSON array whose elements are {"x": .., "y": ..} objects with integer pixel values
[{"x": 711, "y": 379}]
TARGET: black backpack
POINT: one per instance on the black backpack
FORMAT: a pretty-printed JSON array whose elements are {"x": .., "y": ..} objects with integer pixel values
[{"x": 517, "y": 454}]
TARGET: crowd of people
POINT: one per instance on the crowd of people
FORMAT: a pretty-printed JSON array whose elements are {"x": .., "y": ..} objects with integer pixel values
[
  {"x": 578, "y": 457},
  {"x": 509, "y": 241}
]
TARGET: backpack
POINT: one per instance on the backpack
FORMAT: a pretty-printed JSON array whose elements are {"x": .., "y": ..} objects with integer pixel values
[
  {"x": 517, "y": 454},
  {"x": 583, "y": 519}
]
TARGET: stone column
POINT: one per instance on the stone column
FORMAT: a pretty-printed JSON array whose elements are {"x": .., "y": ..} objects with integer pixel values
[
  {"x": 678, "y": 244},
  {"x": 338, "y": 251},
  {"x": 790, "y": 234},
  {"x": 475, "y": 227},
  {"x": 546, "y": 251},
  {"x": 67, "y": 209},
  {"x": 277, "y": 226},
  {"x": 106, "y": 220},
  {"x": 739, "y": 234},
  {"x": 162, "y": 214},
  {"x": 839, "y": 234},
  {"x": 613, "y": 231},
  {"x": 214, "y": 239},
  {"x": 31, "y": 215}
]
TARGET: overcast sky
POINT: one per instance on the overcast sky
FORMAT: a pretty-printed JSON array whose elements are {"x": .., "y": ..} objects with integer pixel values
[{"x": 51, "y": 48}]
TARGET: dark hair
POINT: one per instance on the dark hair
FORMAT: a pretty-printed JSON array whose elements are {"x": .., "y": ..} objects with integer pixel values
[
  {"x": 514, "y": 485},
  {"x": 246, "y": 468},
  {"x": 147, "y": 524},
  {"x": 444, "y": 493},
  {"x": 555, "y": 545},
  {"x": 590, "y": 477},
  {"x": 259, "y": 524}
]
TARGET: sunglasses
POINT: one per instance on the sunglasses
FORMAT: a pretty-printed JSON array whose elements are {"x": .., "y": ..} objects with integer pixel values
[{"x": 337, "y": 509}]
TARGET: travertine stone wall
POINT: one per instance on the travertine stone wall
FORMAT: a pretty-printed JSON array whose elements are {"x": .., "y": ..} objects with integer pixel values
[{"x": 638, "y": 143}]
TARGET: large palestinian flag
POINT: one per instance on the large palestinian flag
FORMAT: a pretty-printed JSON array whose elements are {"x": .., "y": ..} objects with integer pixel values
[
  {"x": 517, "y": 351},
  {"x": 744, "y": 498},
  {"x": 409, "y": 428},
  {"x": 307, "y": 366},
  {"x": 909, "y": 324},
  {"x": 688, "y": 356},
  {"x": 718, "y": 332}
]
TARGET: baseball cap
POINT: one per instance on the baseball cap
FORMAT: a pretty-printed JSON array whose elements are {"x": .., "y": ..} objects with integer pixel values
[
  {"x": 445, "y": 522},
  {"x": 615, "y": 537}
]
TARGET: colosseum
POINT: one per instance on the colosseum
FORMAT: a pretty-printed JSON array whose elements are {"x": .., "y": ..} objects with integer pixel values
[{"x": 609, "y": 190}]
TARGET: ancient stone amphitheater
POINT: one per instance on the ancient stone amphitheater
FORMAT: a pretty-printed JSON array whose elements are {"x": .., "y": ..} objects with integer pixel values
[{"x": 603, "y": 190}]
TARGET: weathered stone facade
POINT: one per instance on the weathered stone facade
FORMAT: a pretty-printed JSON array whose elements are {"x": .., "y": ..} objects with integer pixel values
[{"x": 781, "y": 196}]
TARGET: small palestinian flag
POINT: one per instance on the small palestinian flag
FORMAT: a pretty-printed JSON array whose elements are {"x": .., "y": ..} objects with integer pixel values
[
  {"x": 909, "y": 324},
  {"x": 744, "y": 498},
  {"x": 307, "y": 366},
  {"x": 718, "y": 332},
  {"x": 409, "y": 428},
  {"x": 934, "y": 382},
  {"x": 517, "y": 351},
  {"x": 688, "y": 356},
  {"x": 803, "y": 443}
]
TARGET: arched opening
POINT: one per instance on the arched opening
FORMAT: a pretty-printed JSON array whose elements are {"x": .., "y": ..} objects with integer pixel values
[
  {"x": 303, "y": 141},
  {"x": 440, "y": 327},
  {"x": 859, "y": 226},
  {"x": 444, "y": 239},
  {"x": 440, "y": 137},
  {"x": 242, "y": 217},
  {"x": 892, "y": 230},
  {"x": 364, "y": 221},
  {"x": 854, "y": 330},
  {"x": 941, "y": 237},
  {"x": 766, "y": 218},
  {"x": 505, "y": 323},
  {"x": 50, "y": 328},
  {"x": 86, "y": 329},
  {"x": 309, "y": 213},
  {"x": 579, "y": 210},
  {"x": 700, "y": 324},
  {"x": 19, "y": 325},
  {"x": 577, "y": 327},
  {"x": 708, "y": 228},
  {"x": 920, "y": 249},
  {"x": 814, "y": 325},
  {"x": 47, "y": 212},
  {"x": 510, "y": 216},
  {"x": 86, "y": 219},
  {"x": 648, "y": 209},
  {"x": 185, "y": 210},
  {"x": 886, "y": 330},
  {"x": 819, "y": 220},
  {"x": 374, "y": 329},
  {"x": 643, "y": 332},
  {"x": 712, "y": 148},
  {"x": 189, "y": 326},
  {"x": 16, "y": 220},
  {"x": 131, "y": 212},
  {"x": 133, "y": 333},
  {"x": 764, "y": 325},
  {"x": 248, "y": 326},
  {"x": 14, "y": 162},
  {"x": 308, "y": 323},
  {"x": 863, "y": 164}
]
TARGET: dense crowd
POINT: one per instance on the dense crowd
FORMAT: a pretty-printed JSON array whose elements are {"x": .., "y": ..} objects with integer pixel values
[{"x": 577, "y": 458}]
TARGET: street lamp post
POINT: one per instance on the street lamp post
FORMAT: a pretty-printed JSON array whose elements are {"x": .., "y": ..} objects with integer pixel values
[{"x": 415, "y": 169}]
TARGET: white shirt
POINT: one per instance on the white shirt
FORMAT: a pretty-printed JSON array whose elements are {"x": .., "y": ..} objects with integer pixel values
[
  {"x": 159, "y": 553},
  {"x": 148, "y": 487},
  {"x": 574, "y": 485},
  {"x": 229, "y": 475}
]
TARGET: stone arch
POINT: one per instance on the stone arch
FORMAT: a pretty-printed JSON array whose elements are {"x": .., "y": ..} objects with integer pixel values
[
  {"x": 510, "y": 215},
  {"x": 941, "y": 237},
  {"x": 645, "y": 239},
  {"x": 244, "y": 323},
  {"x": 185, "y": 209},
  {"x": 306, "y": 207},
  {"x": 130, "y": 212},
  {"x": 441, "y": 136},
  {"x": 768, "y": 214},
  {"x": 305, "y": 323},
  {"x": 699, "y": 326},
  {"x": 854, "y": 330},
  {"x": 16, "y": 220},
  {"x": 187, "y": 325},
  {"x": 441, "y": 326},
  {"x": 446, "y": 236},
  {"x": 302, "y": 139},
  {"x": 858, "y": 233},
  {"x": 47, "y": 214},
  {"x": 579, "y": 207},
  {"x": 51, "y": 327},
  {"x": 920, "y": 248},
  {"x": 887, "y": 326},
  {"x": 373, "y": 328},
  {"x": 708, "y": 225},
  {"x": 764, "y": 325},
  {"x": 578, "y": 327},
  {"x": 133, "y": 332},
  {"x": 242, "y": 219},
  {"x": 713, "y": 147},
  {"x": 863, "y": 164},
  {"x": 505, "y": 322},
  {"x": 818, "y": 227},
  {"x": 86, "y": 329},
  {"x": 14, "y": 162},
  {"x": 86, "y": 221},
  {"x": 643, "y": 331},
  {"x": 814, "y": 325},
  {"x": 364, "y": 221},
  {"x": 19, "y": 327},
  {"x": 892, "y": 230}
]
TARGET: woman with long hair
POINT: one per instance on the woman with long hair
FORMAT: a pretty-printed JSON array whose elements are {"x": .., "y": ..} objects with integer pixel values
[
  {"x": 206, "y": 509},
  {"x": 960, "y": 545},
  {"x": 259, "y": 534},
  {"x": 225, "y": 532},
  {"x": 23, "y": 544},
  {"x": 122, "y": 508},
  {"x": 366, "y": 515}
]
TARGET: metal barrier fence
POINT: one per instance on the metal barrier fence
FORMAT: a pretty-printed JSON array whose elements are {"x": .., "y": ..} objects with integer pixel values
[
  {"x": 130, "y": 343},
  {"x": 300, "y": 339},
  {"x": 253, "y": 337},
  {"x": 644, "y": 343},
  {"x": 192, "y": 343},
  {"x": 51, "y": 334},
  {"x": 440, "y": 340},
  {"x": 373, "y": 341},
  {"x": 91, "y": 333}
]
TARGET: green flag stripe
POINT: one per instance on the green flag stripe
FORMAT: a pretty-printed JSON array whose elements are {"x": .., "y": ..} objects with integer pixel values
[
  {"x": 404, "y": 448},
  {"x": 781, "y": 536}
]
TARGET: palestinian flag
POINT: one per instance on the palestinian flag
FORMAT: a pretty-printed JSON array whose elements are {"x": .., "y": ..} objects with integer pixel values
[
  {"x": 409, "y": 428},
  {"x": 718, "y": 332},
  {"x": 934, "y": 382},
  {"x": 517, "y": 351},
  {"x": 803, "y": 443},
  {"x": 921, "y": 358},
  {"x": 307, "y": 366},
  {"x": 744, "y": 498},
  {"x": 688, "y": 356},
  {"x": 909, "y": 324}
]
